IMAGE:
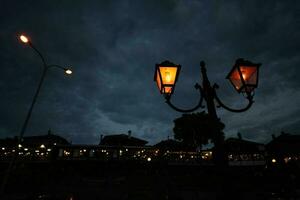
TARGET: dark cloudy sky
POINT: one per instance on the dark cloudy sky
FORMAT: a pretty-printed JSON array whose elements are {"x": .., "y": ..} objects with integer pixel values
[{"x": 113, "y": 47}]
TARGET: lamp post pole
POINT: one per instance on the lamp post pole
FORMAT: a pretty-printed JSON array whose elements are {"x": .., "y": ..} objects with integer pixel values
[
  {"x": 32, "y": 104},
  {"x": 243, "y": 76},
  {"x": 46, "y": 67},
  {"x": 218, "y": 137}
]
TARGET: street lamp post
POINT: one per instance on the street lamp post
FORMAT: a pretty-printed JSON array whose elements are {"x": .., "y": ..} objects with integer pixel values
[
  {"x": 243, "y": 76},
  {"x": 46, "y": 67}
]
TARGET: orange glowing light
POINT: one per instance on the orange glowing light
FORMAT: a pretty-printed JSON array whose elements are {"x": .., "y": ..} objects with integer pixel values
[
  {"x": 244, "y": 76},
  {"x": 166, "y": 75}
]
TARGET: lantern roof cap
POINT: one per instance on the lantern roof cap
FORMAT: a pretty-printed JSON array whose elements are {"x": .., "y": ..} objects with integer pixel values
[
  {"x": 242, "y": 61},
  {"x": 167, "y": 63}
]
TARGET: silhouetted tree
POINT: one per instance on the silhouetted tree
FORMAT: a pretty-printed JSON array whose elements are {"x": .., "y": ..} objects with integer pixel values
[{"x": 196, "y": 129}]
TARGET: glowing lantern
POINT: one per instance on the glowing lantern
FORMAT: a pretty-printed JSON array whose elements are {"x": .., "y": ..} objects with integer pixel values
[
  {"x": 166, "y": 75},
  {"x": 244, "y": 76}
]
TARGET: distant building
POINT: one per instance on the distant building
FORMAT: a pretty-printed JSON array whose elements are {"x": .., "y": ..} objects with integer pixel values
[
  {"x": 32, "y": 147},
  {"x": 240, "y": 146},
  {"x": 49, "y": 139},
  {"x": 124, "y": 147},
  {"x": 284, "y": 148},
  {"x": 175, "y": 151},
  {"x": 122, "y": 140},
  {"x": 8, "y": 143},
  {"x": 46, "y": 140},
  {"x": 244, "y": 152}
]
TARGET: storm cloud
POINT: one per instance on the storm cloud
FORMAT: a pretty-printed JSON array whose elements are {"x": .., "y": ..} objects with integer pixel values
[{"x": 113, "y": 47}]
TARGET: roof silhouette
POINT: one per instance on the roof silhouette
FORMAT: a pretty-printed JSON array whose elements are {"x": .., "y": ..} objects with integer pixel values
[
  {"x": 48, "y": 139},
  {"x": 243, "y": 146},
  {"x": 122, "y": 140},
  {"x": 284, "y": 143}
]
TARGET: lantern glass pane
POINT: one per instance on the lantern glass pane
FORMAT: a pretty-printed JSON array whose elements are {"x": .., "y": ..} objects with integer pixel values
[
  {"x": 158, "y": 81},
  {"x": 168, "y": 75},
  {"x": 235, "y": 79},
  {"x": 249, "y": 75},
  {"x": 168, "y": 90}
]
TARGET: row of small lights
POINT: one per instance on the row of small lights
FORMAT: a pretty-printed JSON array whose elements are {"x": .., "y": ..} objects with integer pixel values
[
  {"x": 286, "y": 159},
  {"x": 205, "y": 156},
  {"x": 42, "y": 146},
  {"x": 139, "y": 154}
]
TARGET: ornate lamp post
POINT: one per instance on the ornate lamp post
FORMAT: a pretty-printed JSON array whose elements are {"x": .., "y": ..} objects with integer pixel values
[
  {"x": 243, "y": 76},
  {"x": 46, "y": 67}
]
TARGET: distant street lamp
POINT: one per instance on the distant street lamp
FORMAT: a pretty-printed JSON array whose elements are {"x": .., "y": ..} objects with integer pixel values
[
  {"x": 243, "y": 76},
  {"x": 68, "y": 71}
]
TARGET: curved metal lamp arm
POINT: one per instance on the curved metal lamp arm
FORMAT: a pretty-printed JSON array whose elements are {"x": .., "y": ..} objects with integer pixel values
[
  {"x": 39, "y": 53},
  {"x": 221, "y": 104},
  {"x": 199, "y": 105},
  {"x": 57, "y": 66}
]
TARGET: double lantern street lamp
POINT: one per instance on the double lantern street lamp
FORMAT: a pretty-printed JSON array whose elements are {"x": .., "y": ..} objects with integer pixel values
[
  {"x": 243, "y": 76},
  {"x": 46, "y": 67}
]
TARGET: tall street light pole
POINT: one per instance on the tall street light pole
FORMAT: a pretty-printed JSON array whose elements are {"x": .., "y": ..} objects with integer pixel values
[
  {"x": 243, "y": 76},
  {"x": 46, "y": 67}
]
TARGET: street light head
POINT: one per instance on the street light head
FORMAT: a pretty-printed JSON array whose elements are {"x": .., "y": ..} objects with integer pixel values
[
  {"x": 166, "y": 75},
  {"x": 68, "y": 71},
  {"x": 24, "y": 39},
  {"x": 244, "y": 76}
]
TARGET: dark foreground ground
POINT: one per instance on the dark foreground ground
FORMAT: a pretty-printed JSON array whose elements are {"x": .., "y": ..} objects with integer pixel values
[{"x": 74, "y": 180}]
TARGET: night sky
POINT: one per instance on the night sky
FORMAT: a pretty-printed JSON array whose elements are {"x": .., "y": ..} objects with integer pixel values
[{"x": 113, "y": 47}]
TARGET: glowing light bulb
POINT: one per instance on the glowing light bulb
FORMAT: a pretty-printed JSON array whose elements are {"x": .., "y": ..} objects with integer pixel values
[
  {"x": 68, "y": 71},
  {"x": 244, "y": 75},
  {"x": 24, "y": 39},
  {"x": 168, "y": 77}
]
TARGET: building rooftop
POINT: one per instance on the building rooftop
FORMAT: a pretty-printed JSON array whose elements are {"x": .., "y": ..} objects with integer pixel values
[
  {"x": 284, "y": 143},
  {"x": 48, "y": 140},
  {"x": 122, "y": 140},
  {"x": 243, "y": 146}
]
